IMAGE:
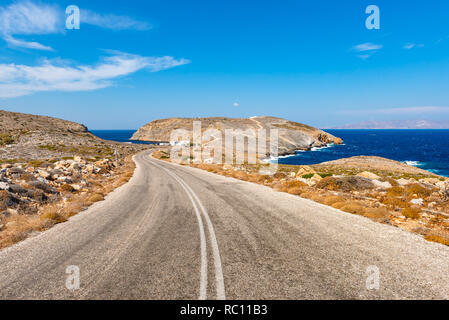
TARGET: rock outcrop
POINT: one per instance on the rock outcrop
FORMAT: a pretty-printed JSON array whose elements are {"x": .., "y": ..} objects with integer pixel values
[{"x": 292, "y": 135}]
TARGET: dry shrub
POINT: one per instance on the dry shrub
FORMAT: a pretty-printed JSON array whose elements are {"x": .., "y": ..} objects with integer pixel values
[
  {"x": 18, "y": 227},
  {"x": 95, "y": 197},
  {"x": 345, "y": 184},
  {"x": 257, "y": 178},
  {"x": 439, "y": 237},
  {"x": 411, "y": 213},
  {"x": 74, "y": 206},
  {"x": 294, "y": 190},
  {"x": 352, "y": 207},
  {"x": 296, "y": 184},
  {"x": 395, "y": 202},
  {"x": 280, "y": 187},
  {"x": 240, "y": 175},
  {"x": 396, "y": 191},
  {"x": 306, "y": 195},
  {"x": 419, "y": 190},
  {"x": 67, "y": 188},
  {"x": 279, "y": 175},
  {"x": 53, "y": 216},
  {"x": 376, "y": 213},
  {"x": 338, "y": 205},
  {"x": 330, "y": 200},
  {"x": 317, "y": 197},
  {"x": 27, "y": 177}
]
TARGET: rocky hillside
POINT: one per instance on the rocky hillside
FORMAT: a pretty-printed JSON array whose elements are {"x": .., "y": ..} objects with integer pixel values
[
  {"x": 292, "y": 135},
  {"x": 51, "y": 169},
  {"x": 25, "y": 137},
  {"x": 11, "y": 122}
]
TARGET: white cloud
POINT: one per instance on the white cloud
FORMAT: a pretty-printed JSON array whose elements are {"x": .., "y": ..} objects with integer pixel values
[
  {"x": 25, "y": 17},
  {"x": 19, "y": 80},
  {"x": 364, "y": 56},
  {"x": 112, "y": 21},
  {"x": 410, "y": 46},
  {"x": 26, "y": 44},
  {"x": 28, "y": 18},
  {"x": 367, "y": 47}
]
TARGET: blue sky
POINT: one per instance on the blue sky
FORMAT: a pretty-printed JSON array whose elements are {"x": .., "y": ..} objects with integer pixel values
[{"x": 309, "y": 61}]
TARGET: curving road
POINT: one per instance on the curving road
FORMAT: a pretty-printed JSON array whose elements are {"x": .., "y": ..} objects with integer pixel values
[{"x": 176, "y": 232}]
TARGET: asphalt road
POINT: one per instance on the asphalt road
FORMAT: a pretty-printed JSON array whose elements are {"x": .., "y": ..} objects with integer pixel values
[{"x": 176, "y": 232}]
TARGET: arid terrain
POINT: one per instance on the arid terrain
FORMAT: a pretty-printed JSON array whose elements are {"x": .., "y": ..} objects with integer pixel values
[{"x": 52, "y": 169}]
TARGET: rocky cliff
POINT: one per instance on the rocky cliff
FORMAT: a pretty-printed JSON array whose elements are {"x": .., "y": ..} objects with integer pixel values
[{"x": 292, "y": 135}]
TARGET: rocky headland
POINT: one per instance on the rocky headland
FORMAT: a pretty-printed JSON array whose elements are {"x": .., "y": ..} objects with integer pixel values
[{"x": 293, "y": 136}]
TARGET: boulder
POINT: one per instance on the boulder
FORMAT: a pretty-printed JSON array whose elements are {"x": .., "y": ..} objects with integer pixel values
[
  {"x": 303, "y": 170},
  {"x": 76, "y": 187},
  {"x": 43, "y": 186},
  {"x": 369, "y": 175},
  {"x": 17, "y": 189},
  {"x": 7, "y": 200},
  {"x": 65, "y": 180},
  {"x": 44, "y": 174},
  {"x": 419, "y": 201},
  {"x": 4, "y": 186},
  {"x": 315, "y": 179},
  {"x": 381, "y": 184},
  {"x": 403, "y": 182}
]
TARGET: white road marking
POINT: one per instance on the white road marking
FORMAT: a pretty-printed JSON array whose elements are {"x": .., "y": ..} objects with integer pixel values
[
  {"x": 203, "y": 272},
  {"x": 219, "y": 279}
]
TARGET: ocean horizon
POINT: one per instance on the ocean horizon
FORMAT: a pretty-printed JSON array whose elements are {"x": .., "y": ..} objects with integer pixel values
[{"x": 427, "y": 149}]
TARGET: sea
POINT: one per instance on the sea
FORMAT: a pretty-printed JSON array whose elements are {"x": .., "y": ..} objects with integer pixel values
[{"x": 425, "y": 149}]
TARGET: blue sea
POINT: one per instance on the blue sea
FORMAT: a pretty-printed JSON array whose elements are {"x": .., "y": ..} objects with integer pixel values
[
  {"x": 118, "y": 135},
  {"x": 426, "y": 149}
]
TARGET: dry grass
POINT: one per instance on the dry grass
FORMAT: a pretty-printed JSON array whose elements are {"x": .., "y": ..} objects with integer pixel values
[
  {"x": 19, "y": 228},
  {"x": 96, "y": 197},
  {"x": 241, "y": 175},
  {"x": 411, "y": 213},
  {"x": 330, "y": 200},
  {"x": 376, "y": 213},
  {"x": 418, "y": 189},
  {"x": 353, "y": 207},
  {"x": 439, "y": 237},
  {"x": 294, "y": 190},
  {"x": 396, "y": 191}
]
